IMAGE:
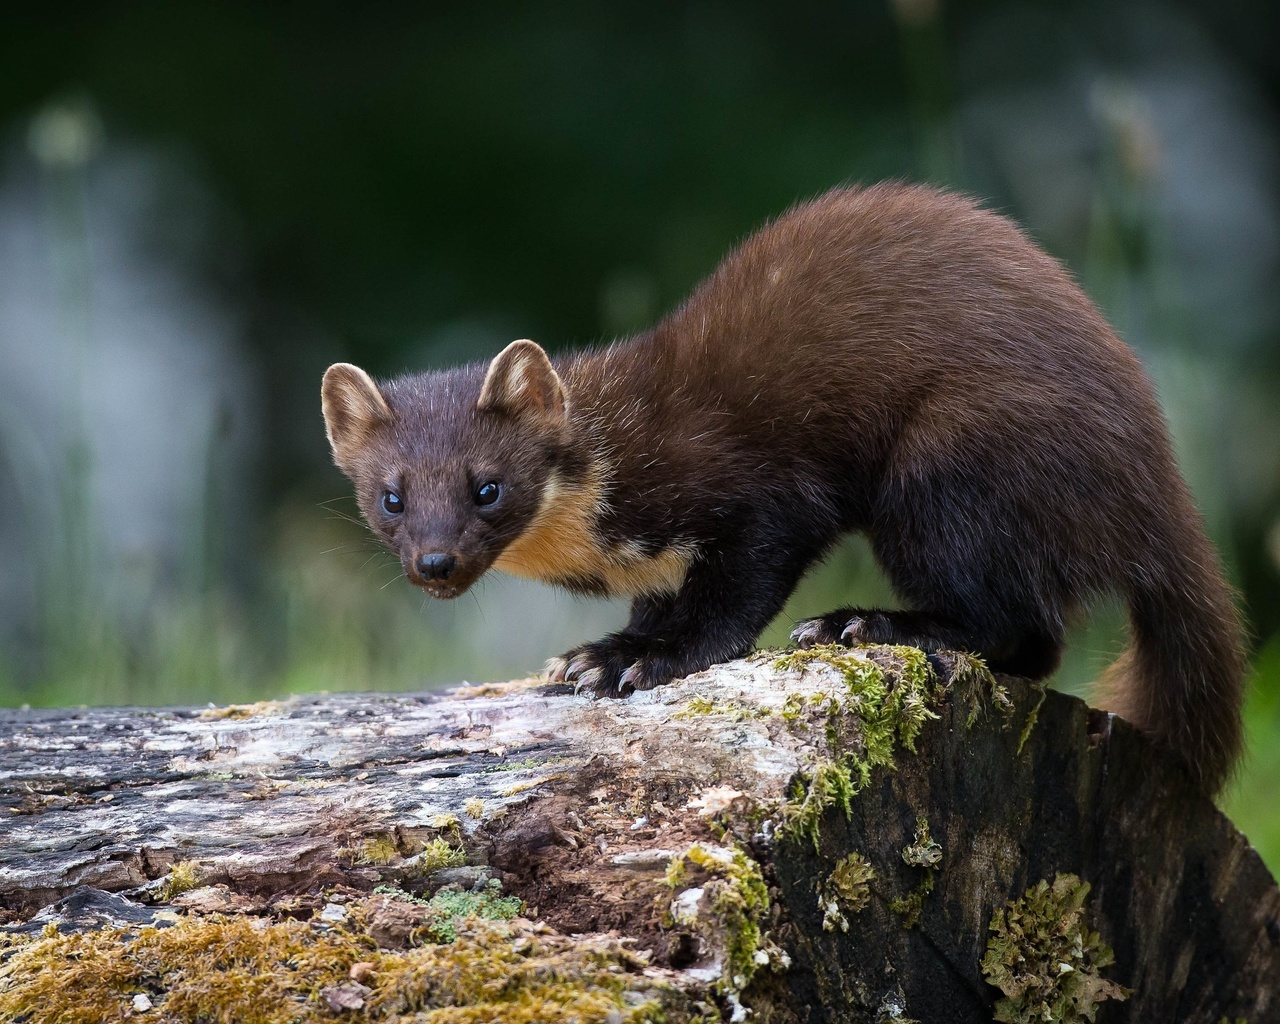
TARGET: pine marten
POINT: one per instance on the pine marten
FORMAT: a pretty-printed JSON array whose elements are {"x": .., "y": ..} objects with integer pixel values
[{"x": 892, "y": 360}]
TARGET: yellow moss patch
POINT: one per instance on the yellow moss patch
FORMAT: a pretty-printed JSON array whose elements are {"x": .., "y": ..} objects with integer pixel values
[
  {"x": 183, "y": 877},
  {"x": 440, "y": 853},
  {"x": 220, "y": 970},
  {"x": 521, "y": 787},
  {"x": 974, "y": 688},
  {"x": 261, "y": 707},
  {"x": 925, "y": 852},
  {"x": 738, "y": 711},
  {"x": 377, "y": 849},
  {"x": 1033, "y": 716}
]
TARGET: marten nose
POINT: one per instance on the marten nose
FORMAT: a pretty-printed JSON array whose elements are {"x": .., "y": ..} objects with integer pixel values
[{"x": 436, "y": 566}]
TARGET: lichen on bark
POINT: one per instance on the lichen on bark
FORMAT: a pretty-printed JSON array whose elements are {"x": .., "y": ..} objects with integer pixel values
[
  {"x": 847, "y": 890},
  {"x": 926, "y": 853},
  {"x": 1042, "y": 956}
]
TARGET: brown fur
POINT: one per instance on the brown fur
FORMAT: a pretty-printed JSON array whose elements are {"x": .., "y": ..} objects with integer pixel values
[
  {"x": 561, "y": 540},
  {"x": 892, "y": 360}
]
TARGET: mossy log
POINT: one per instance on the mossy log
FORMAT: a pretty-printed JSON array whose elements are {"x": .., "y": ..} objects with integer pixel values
[{"x": 830, "y": 836}]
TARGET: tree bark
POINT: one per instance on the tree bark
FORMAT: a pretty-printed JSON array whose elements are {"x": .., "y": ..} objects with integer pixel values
[{"x": 758, "y": 840}]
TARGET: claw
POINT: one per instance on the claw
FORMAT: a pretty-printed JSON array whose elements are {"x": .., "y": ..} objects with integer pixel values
[
  {"x": 850, "y": 635},
  {"x": 629, "y": 677},
  {"x": 555, "y": 669},
  {"x": 576, "y": 668},
  {"x": 589, "y": 677},
  {"x": 806, "y": 634}
]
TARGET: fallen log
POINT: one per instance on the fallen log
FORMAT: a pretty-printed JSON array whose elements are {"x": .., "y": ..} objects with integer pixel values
[{"x": 820, "y": 836}]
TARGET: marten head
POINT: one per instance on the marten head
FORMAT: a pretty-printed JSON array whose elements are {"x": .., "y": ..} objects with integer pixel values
[{"x": 449, "y": 468}]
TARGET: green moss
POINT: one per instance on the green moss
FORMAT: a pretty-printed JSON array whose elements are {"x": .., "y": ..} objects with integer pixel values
[
  {"x": 443, "y": 913},
  {"x": 829, "y": 784},
  {"x": 1032, "y": 718},
  {"x": 451, "y": 905},
  {"x": 847, "y": 890},
  {"x": 878, "y": 711},
  {"x": 183, "y": 877},
  {"x": 698, "y": 705},
  {"x": 793, "y": 707},
  {"x": 1045, "y": 960},
  {"x": 738, "y": 711},
  {"x": 521, "y": 765},
  {"x": 911, "y": 906},
  {"x": 235, "y": 970},
  {"x": 400, "y": 894},
  {"x": 677, "y": 875},
  {"x": 440, "y": 853},
  {"x": 739, "y": 902},
  {"x": 974, "y": 688}
]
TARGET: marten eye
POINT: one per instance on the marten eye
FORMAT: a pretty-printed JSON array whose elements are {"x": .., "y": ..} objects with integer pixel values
[
  {"x": 488, "y": 493},
  {"x": 392, "y": 503}
]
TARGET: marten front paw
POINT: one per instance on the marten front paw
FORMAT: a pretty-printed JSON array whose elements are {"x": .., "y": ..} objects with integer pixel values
[
  {"x": 607, "y": 670},
  {"x": 555, "y": 668}
]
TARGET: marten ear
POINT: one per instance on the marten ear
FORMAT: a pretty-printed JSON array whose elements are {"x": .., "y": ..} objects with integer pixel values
[
  {"x": 353, "y": 406},
  {"x": 521, "y": 379}
]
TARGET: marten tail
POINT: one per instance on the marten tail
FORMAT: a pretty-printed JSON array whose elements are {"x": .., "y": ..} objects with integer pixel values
[{"x": 1182, "y": 678}]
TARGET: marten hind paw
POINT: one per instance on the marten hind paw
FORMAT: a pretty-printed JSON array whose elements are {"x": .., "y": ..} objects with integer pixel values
[
  {"x": 826, "y": 629},
  {"x": 850, "y": 627}
]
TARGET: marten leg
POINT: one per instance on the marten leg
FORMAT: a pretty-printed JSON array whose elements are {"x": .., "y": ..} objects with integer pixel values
[
  {"x": 968, "y": 565},
  {"x": 727, "y": 598}
]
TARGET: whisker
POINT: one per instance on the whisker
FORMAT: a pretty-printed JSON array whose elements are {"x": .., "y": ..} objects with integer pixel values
[
  {"x": 379, "y": 553},
  {"x": 347, "y": 548},
  {"x": 344, "y": 517}
]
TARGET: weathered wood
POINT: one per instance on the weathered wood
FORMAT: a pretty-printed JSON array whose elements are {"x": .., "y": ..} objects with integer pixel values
[{"x": 650, "y": 819}]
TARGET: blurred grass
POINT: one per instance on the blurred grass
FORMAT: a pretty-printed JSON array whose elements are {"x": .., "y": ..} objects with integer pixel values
[
  {"x": 332, "y": 612},
  {"x": 1252, "y": 801}
]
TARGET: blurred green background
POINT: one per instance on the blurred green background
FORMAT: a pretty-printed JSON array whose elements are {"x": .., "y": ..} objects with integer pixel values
[{"x": 202, "y": 205}]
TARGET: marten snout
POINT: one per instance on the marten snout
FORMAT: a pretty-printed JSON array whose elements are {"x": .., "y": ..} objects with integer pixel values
[
  {"x": 440, "y": 573},
  {"x": 435, "y": 566}
]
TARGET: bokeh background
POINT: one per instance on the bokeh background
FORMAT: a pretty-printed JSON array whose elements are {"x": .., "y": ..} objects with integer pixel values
[{"x": 204, "y": 204}]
